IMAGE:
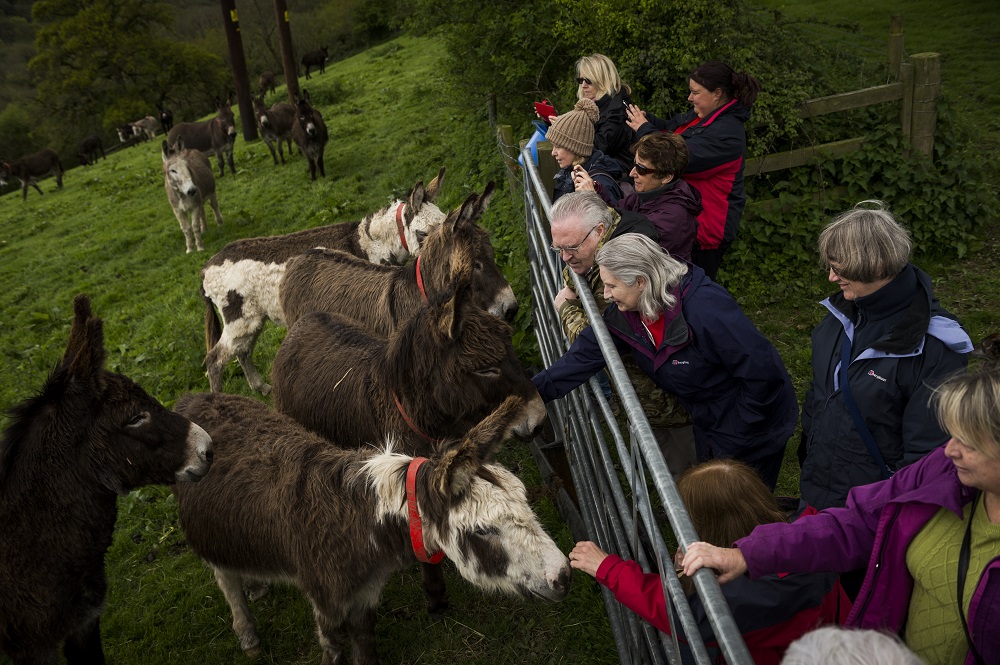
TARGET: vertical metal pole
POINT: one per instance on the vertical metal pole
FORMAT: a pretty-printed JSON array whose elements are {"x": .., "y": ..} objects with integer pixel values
[
  {"x": 239, "y": 64},
  {"x": 287, "y": 52}
]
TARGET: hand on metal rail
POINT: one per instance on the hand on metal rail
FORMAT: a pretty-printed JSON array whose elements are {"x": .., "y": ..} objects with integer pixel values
[{"x": 728, "y": 563}]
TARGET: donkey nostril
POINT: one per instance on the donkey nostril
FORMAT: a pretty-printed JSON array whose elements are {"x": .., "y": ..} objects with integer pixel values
[
  {"x": 209, "y": 455},
  {"x": 510, "y": 313}
]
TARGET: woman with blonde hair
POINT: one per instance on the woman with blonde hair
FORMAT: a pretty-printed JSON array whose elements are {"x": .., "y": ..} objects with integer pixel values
[
  {"x": 598, "y": 80},
  {"x": 930, "y": 536},
  {"x": 726, "y": 501}
]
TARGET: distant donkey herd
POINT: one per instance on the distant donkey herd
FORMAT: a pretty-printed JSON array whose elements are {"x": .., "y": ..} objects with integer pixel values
[{"x": 394, "y": 388}]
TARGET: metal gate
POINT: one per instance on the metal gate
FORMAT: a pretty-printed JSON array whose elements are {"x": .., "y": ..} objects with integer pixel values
[{"x": 611, "y": 474}]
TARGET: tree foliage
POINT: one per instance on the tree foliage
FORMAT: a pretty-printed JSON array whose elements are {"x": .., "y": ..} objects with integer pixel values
[{"x": 110, "y": 61}]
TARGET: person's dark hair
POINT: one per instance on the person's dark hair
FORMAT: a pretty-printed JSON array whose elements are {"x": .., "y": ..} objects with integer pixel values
[
  {"x": 715, "y": 74},
  {"x": 726, "y": 500},
  {"x": 665, "y": 151}
]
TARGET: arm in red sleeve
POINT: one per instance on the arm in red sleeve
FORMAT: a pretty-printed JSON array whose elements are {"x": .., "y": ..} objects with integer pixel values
[{"x": 640, "y": 592}]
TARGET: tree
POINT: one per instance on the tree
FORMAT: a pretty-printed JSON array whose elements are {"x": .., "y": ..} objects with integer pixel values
[{"x": 110, "y": 61}]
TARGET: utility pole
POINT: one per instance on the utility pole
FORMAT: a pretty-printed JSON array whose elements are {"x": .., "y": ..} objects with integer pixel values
[
  {"x": 287, "y": 52},
  {"x": 240, "y": 79}
]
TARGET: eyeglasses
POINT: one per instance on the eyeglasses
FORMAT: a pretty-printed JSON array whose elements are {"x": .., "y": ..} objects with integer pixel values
[
  {"x": 836, "y": 270},
  {"x": 574, "y": 250},
  {"x": 643, "y": 170},
  {"x": 583, "y": 79}
]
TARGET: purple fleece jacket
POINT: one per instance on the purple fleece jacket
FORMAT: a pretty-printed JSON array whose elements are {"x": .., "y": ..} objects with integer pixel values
[{"x": 875, "y": 528}]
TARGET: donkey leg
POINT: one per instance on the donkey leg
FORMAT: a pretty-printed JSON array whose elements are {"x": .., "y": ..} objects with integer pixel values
[
  {"x": 198, "y": 225},
  {"x": 229, "y": 157},
  {"x": 222, "y": 165},
  {"x": 361, "y": 627},
  {"x": 319, "y": 162},
  {"x": 182, "y": 219},
  {"x": 256, "y": 381},
  {"x": 332, "y": 636},
  {"x": 213, "y": 200},
  {"x": 83, "y": 646},
  {"x": 437, "y": 595},
  {"x": 243, "y": 624}
]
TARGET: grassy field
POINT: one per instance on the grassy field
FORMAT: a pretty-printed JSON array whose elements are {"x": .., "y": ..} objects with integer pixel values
[{"x": 110, "y": 233}]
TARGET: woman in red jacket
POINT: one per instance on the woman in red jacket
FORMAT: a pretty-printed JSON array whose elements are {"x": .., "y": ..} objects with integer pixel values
[
  {"x": 716, "y": 139},
  {"x": 726, "y": 500}
]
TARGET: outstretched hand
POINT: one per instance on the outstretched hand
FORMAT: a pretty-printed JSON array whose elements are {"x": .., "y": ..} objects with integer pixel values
[
  {"x": 728, "y": 563},
  {"x": 636, "y": 117},
  {"x": 587, "y": 556}
]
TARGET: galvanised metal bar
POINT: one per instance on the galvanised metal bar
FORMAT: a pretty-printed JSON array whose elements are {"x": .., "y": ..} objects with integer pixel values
[{"x": 606, "y": 512}]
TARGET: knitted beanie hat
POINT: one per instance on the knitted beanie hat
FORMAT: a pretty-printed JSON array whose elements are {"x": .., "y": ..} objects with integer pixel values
[{"x": 574, "y": 130}]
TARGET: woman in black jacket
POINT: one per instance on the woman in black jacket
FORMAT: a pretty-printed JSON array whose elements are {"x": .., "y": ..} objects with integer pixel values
[{"x": 598, "y": 80}]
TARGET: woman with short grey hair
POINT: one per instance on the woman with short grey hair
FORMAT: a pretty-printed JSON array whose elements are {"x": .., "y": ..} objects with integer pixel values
[
  {"x": 882, "y": 347},
  {"x": 691, "y": 338},
  {"x": 833, "y": 645}
]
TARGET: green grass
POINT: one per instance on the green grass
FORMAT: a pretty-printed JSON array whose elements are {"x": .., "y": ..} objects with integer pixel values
[{"x": 110, "y": 233}]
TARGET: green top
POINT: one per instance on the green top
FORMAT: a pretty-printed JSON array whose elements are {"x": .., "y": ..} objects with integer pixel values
[{"x": 933, "y": 629}]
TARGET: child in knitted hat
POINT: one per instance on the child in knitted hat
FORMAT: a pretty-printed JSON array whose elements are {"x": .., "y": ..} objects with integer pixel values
[{"x": 572, "y": 139}]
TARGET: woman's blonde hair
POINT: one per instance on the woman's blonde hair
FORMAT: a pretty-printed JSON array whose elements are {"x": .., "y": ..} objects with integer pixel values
[
  {"x": 602, "y": 73},
  {"x": 968, "y": 408},
  {"x": 633, "y": 255},
  {"x": 867, "y": 242}
]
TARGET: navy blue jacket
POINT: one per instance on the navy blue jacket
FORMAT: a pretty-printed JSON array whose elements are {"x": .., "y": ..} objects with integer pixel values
[
  {"x": 605, "y": 172},
  {"x": 612, "y": 135},
  {"x": 904, "y": 344},
  {"x": 716, "y": 149},
  {"x": 722, "y": 369}
]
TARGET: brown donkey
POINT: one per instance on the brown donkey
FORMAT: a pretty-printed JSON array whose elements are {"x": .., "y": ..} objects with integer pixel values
[
  {"x": 216, "y": 136},
  {"x": 32, "y": 167}
]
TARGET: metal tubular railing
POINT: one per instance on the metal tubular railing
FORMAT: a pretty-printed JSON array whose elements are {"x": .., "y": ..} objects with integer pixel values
[{"x": 612, "y": 520}]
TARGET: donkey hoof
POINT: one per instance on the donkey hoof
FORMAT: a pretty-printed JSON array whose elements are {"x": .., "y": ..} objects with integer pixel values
[
  {"x": 265, "y": 389},
  {"x": 257, "y": 591}
]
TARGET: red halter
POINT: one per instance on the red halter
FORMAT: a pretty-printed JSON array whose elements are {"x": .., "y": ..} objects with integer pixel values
[
  {"x": 409, "y": 421},
  {"x": 416, "y": 527},
  {"x": 399, "y": 225},
  {"x": 420, "y": 280}
]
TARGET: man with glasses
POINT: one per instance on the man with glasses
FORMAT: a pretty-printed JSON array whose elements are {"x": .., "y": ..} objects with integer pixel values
[{"x": 581, "y": 223}]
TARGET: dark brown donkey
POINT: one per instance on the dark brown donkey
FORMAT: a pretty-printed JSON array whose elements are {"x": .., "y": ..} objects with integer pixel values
[
  {"x": 29, "y": 169},
  {"x": 315, "y": 58},
  {"x": 438, "y": 374},
  {"x": 215, "y": 136},
  {"x": 275, "y": 124},
  {"x": 309, "y": 132},
  {"x": 283, "y": 504},
  {"x": 456, "y": 252},
  {"x": 89, "y": 436}
]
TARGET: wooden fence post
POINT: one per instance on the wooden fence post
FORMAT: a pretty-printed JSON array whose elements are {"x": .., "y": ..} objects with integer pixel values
[
  {"x": 906, "y": 105},
  {"x": 547, "y": 166},
  {"x": 895, "y": 45},
  {"x": 926, "y": 86},
  {"x": 505, "y": 138}
]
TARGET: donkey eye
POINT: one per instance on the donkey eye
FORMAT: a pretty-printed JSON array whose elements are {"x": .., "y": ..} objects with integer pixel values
[
  {"x": 489, "y": 372},
  {"x": 487, "y": 531},
  {"x": 478, "y": 265},
  {"x": 421, "y": 235},
  {"x": 138, "y": 419}
]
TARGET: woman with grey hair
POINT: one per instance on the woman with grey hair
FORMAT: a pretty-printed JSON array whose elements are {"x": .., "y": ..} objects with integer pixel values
[
  {"x": 876, "y": 356},
  {"x": 833, "y": 645},
  {"x": 688, "y": 334}
]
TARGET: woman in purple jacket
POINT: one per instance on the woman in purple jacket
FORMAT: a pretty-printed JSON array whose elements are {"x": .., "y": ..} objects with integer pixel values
[{"x": 930, "y": 536}]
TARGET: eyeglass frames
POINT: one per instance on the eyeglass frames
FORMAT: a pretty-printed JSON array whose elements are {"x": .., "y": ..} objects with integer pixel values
[
  {"x": 574, "y": 250},
  {"x": 583, "y": 79},
  {"x": 643, "y": 170}
]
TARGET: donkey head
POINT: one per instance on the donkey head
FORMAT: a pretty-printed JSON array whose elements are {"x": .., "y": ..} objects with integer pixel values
[
  {"x": 459, "y": 251},
  {"x": 456, "y": 363},
  {"x": 7, "y": 172},
  {"x": 114, "y": 432},
  {"x": 176, "y": 169},
  {"x": 226, "y": 117},
  {"x": 478, "y": 514},
  {"x": 306, "y": 115},
  {"x": 260, "y": 110},
  {"x": 397, "y": 232}
]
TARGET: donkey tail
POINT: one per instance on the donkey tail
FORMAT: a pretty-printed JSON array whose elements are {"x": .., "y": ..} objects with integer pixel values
[{"x": 213, "y": 327}]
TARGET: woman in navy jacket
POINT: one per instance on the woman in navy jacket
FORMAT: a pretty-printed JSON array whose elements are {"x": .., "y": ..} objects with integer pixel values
[
  {"x": 689, "y": 335},
  {"x": 716, "y": 138}
]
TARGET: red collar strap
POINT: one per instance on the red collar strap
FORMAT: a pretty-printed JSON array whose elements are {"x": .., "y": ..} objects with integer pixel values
[
  {"x": 416, "y": 526},
  {"x": 399, "y": 225},
  {"x": 420, "y": 281},
  {"x": 412, "y": 425}
]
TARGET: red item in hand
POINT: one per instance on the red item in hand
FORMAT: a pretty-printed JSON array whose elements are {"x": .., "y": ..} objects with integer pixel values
[{"x": 544, "y": 109}]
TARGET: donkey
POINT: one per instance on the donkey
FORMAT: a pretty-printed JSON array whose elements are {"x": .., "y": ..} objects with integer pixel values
[
  {"x": 188, "y": 179},
  {"x": 315, "y": 58},
  {"x": 243, "y": 279},
  {"x": 284, "y": 505},
  {"x": 437, "y": 375},
  {"x": 90, "y": 148},
  {"x": 32, "y": 167},
  {"x": 275, "y": 125},
  {"x": 266, "y": 83},
  {"x": 455, "y": 252},
  {"x": 166, "y": 117},
  {"x": 309, "y": 132},
  {"x": 146, "y": 127},
  {"x": 87, "y": 437},
  {"x": 215, "y": 136}
]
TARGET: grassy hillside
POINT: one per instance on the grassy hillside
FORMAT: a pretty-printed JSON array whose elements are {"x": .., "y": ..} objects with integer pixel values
[{"x": 110, "y": 233}]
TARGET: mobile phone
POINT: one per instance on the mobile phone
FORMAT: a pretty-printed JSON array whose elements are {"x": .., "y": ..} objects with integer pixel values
[{"x": 545, "y": 109}]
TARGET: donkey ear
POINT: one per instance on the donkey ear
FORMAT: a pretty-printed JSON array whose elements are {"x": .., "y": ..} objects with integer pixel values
[
  {"x": 78, "y": 331},
  {"x": 484, "y": 200},
  {"x": 457, "y": 466},
  {"x": 450, "y": 315},
  {"x": 85, "y": 354},
  {"x": 458, "y": 217},
  {"x": 434, "y": 188},
  {"x": 415, "y": 200}
]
